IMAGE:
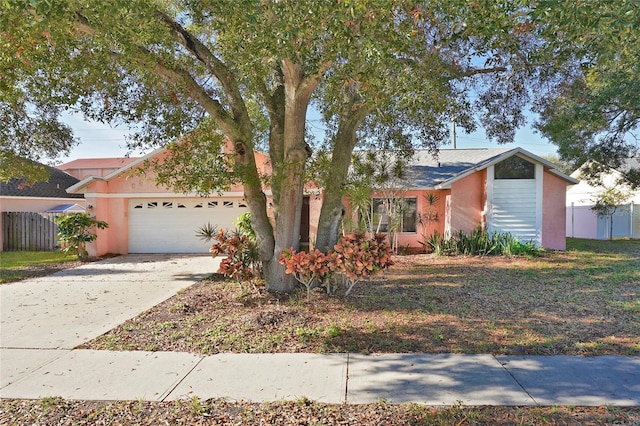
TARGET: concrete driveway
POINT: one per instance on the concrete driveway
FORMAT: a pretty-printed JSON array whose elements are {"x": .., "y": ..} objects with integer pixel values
[{"x": 63, "y": 310}]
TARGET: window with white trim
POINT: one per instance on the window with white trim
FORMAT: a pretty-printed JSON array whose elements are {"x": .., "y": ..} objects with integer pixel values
[{"x": 405, "y": 209}]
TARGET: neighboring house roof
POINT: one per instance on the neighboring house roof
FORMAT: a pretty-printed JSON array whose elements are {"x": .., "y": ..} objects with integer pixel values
[
  {"x": 97, "y": 163},
  {"x": 451, "y": 165},
  {"x": 56, "y": 187},
  {"x": 67, "y": 208}
]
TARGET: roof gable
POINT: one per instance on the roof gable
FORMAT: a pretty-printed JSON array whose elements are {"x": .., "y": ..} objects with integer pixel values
[{"x": 451, "y": 165}]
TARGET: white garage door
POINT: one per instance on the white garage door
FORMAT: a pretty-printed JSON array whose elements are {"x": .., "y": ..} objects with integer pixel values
[{"x": 169, "y": 225}]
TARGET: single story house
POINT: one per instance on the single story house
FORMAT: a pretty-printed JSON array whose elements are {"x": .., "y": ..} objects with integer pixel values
[
  {"x": 582, "y": 222},
  {"x": 146, "y": 218},
  {"x": 503, "y": 189},
  {"x": 40, "y": 197}
]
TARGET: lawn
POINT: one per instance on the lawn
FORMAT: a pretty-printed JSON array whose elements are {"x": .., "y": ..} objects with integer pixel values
[
  {"x": 17, "y": 265},
  {"x": 585, "y": 301}
]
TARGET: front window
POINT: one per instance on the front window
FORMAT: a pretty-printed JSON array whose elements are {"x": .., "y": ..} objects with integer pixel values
[{"x": 394, "y": 215}]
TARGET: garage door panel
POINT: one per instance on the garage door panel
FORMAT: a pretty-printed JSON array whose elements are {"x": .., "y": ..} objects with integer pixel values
[{"x": 170, "y": 225}]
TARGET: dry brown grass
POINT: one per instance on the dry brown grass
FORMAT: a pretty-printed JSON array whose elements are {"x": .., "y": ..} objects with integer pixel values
[{"x": 303, "y": 412}]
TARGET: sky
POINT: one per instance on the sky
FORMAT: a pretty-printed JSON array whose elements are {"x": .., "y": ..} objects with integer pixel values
[{"x": 98, "y": 140}]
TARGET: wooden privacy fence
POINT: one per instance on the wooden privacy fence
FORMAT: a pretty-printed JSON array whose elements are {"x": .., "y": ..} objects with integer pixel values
[{"x": 22, "y": 231}]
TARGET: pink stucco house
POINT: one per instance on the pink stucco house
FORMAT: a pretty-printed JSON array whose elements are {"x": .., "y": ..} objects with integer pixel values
[
  {"x": 508, "y": 190},
  {"x": 86, "y": 167}
]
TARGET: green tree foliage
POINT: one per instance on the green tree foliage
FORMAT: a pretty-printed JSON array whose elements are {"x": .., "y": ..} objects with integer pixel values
[
  {"x": 15, "y": 167},
  {"x": 197, "y": 76},
  {"x": 594, "y": 110},
  {"x": 76, "y": 230}
]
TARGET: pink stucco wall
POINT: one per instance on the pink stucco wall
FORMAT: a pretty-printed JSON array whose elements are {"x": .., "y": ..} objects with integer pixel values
[
  {"x": 554, "y": 212},
  {"x": 467, "y": 202},
  {"x": 110, "y": 201},
  {"x": 424, "y": 228}
]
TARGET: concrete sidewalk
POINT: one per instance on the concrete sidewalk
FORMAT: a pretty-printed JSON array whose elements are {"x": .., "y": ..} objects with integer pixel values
[{"x": 443, "y": 379}]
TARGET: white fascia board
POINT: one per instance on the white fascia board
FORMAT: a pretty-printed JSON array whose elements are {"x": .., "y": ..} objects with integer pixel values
[
  {"x": 75, "y": 189},
  {"x": 134, "y": 163}
]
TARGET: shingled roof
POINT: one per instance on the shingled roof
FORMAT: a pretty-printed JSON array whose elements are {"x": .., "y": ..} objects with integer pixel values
[
  {"x": 427, "y": 171},
  {"x": 56, "y": 187}
]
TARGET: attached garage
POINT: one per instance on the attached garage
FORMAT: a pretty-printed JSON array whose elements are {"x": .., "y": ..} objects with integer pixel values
[{"x": 169, "y": 225}]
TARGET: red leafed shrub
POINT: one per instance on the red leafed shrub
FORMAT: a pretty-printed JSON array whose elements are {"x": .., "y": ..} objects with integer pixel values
[
  {"x": 307, "y": 268},
  {"x": 242, "y": 261},
  {"x": 358, "y": 258},
  {"x": 354, "y": 256}
]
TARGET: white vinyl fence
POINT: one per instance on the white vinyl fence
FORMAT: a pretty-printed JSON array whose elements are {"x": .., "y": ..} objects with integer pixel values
[{"x": 582, "y": 222}]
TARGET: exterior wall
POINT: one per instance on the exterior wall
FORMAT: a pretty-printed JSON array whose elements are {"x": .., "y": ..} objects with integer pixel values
[
  {"x": 315, "y": 205},
  {"x": 553, "y": 212},
  {"x": 426, "y": 227},
  {"x": 467, "y": 203},
  {"x": 423, "y": 230},
  {"x": 33, "y": 204}
]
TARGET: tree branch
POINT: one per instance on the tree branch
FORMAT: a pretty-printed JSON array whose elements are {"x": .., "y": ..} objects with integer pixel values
[{"x": 215, "y": 65}]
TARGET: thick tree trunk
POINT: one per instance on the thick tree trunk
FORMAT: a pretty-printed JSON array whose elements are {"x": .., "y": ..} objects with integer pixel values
[
  {"x": 332, "y": 207},
  {"x": 288, "y": 175}
]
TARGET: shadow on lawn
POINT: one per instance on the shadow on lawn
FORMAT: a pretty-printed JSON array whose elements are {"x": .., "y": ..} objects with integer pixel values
[{"x": 558, "y": 304}]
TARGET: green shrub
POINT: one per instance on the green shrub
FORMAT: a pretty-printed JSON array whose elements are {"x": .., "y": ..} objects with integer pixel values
[
  {"x": 479, "y": 243},
  {"x": 76, "y": 230},
  {"x": 243, "y": 223}
]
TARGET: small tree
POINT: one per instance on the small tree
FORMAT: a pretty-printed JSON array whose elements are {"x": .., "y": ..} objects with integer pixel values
[
  {"x": 607, "y": 203},
  {"x": 76, "y": 230}
]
